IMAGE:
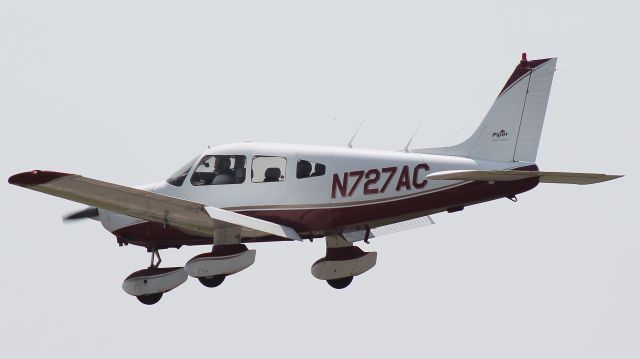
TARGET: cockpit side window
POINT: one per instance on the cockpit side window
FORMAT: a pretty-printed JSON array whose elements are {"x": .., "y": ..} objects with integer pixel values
[
  {"x": 268, "y": 169},
  {"x": 219, "y": 169},
  {"x": 306, "y": 169},
  {"x": 178, "y": 177}
]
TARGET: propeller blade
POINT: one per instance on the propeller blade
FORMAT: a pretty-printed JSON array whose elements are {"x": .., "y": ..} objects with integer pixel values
[{"x": 90, "y": 212}]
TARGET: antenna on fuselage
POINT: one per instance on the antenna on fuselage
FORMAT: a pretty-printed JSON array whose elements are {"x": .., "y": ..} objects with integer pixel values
[
  {"x": 406, "y": 148},
  {"x": 350, "y": 144}
]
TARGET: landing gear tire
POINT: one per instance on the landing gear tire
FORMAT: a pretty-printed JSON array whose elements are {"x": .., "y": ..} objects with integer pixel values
[
  {"x": 213, "y": 281},
  {"x": 340, "y": 283},
  {"x": 149, "y": 299}
]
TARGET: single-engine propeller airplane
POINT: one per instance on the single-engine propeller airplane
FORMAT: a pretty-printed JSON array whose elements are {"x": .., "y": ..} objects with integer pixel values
[{"x": 256, "y": 192}]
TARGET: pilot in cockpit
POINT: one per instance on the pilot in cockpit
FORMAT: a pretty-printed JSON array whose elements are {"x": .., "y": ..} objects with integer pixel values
[{"x": 222, "y": 172}]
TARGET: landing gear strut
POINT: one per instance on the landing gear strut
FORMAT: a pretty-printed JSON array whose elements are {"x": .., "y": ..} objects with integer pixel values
[{"x": 155, "y": 254}]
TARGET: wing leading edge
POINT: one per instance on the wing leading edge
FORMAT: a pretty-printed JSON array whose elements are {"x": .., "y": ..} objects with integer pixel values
[
  {"x": 508, "y": 175},
  {"x": 190, "y": 216}
]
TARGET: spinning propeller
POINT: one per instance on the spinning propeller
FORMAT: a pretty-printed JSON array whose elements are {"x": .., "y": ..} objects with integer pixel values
[{"x": 89, "y": 212}]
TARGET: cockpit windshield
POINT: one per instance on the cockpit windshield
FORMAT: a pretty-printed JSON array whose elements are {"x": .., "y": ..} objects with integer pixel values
[
  {"x": 219, "y": 169},
  {"x": 177, "y": 179}
]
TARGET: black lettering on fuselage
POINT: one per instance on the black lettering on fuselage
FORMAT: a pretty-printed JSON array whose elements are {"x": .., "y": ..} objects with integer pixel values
[{"x": 407, "y": 180}]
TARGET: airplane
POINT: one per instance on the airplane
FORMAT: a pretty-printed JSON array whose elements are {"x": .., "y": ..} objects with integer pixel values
[{"x": 250, "y": 192}]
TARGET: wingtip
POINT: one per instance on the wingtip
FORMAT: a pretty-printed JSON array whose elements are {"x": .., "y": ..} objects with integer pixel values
[{"x": 35, "y": 177}]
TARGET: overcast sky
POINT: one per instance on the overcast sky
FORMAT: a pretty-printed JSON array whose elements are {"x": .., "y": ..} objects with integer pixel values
[{"x": 127, "y": 91}]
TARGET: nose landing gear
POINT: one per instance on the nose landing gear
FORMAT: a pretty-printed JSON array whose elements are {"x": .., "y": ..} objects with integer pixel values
[{"x": 148, "y": 285}]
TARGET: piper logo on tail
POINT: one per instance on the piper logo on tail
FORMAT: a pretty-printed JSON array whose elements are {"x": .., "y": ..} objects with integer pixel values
[{"x": 500, "y": 135}]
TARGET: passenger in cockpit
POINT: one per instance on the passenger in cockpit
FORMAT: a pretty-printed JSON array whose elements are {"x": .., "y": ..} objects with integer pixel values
[
  {"x": 303, "y": 169},
  {"x": 238, "y": 169}
]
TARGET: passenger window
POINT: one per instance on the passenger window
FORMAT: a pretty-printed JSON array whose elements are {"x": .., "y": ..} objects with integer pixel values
[
  {"x": 268, "y": 169},
  {"x": 306, "y": 169},
  {"x": 215, "y": 170}
]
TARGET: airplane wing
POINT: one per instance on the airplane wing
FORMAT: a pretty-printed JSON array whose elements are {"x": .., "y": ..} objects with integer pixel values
[
  {"x": 508, "y": 175},
  {"x": 179, "y": 213}
]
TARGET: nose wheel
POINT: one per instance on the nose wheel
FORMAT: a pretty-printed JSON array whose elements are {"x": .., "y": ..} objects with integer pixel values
[{"x": 148, "y": 285}]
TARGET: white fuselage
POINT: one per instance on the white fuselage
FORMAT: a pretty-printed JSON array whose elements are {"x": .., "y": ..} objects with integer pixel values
[{"x": 353, "y": 178}]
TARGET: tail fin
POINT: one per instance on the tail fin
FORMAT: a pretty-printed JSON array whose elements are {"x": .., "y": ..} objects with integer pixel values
[{"x": 512, "y": 127}]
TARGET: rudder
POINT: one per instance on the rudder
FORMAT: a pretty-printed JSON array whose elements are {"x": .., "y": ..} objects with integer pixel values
[{"x": 511, "y": 129}]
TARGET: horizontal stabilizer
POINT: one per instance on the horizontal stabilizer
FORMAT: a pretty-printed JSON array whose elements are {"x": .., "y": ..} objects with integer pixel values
[
  {"x": 402, "y": 226},
  {"x": 545, "y": 177},
  {"x": 359, "y": 234}
]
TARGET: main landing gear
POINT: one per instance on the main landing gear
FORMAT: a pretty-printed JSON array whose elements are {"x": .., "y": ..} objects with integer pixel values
[
  {"x": 228, "y": 256},
  {"x": 148, "y": 285},
  {"x": 342, "y": 262},
  {"x": 212, "y": 268}
]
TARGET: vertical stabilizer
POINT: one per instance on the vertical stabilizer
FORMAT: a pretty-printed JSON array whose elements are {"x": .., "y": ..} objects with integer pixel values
[{"x": 511, "y": 129}]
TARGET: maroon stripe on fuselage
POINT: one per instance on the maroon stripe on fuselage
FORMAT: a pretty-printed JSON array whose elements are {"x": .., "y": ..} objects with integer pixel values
[
  {"x": 316, "y": 219},
  {"x": 328, "y": 220}
]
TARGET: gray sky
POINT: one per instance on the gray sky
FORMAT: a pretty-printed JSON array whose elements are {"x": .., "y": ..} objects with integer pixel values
[{"x": 127, "y": 91}]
